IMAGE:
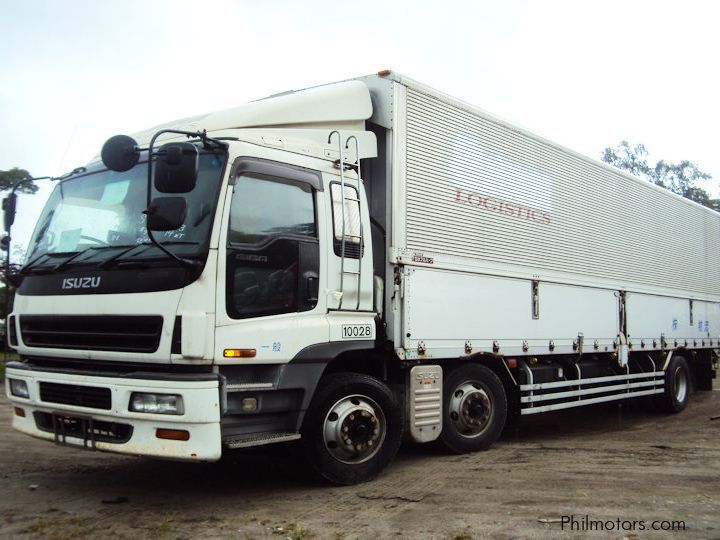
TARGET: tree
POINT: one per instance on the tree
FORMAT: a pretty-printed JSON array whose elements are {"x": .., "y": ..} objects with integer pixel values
[
  {"x": 17, "y": 180},
  {"x": 11, "y": 177},
  {"x": 680, "y": 178},
  {"x": 7, "y": 288}
]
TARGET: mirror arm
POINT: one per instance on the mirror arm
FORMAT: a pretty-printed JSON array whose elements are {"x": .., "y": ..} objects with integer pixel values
[{"x": 184, "y": 262}]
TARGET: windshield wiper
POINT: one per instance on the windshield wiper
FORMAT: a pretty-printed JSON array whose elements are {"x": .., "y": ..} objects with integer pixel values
[
  {"x": 63, "y": 264},
  {"x": 114, "y": 259},
  {"x": 120, "y": 257},
  {"x": 33, "y": 263}
]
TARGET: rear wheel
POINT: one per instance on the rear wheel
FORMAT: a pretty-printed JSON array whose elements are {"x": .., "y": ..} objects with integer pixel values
[
  {"x": 677, "y": 386},
  {"x": 474, "y": 409},
  {"x": 352, "y": 429}
]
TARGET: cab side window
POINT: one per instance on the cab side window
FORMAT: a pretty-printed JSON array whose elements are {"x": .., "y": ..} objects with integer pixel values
[{"x": 273, "y": 254}]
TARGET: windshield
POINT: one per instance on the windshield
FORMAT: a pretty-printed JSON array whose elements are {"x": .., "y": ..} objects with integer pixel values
[{"x": 104, "y": 210}]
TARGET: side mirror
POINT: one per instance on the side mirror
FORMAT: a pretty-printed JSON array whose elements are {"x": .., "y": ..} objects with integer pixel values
[
  {"x": 176, "y": 169},
  {"x": 166, "y": 213},
  {"x": 120, "y": 153},
  {"x": 9, "y": 205}
]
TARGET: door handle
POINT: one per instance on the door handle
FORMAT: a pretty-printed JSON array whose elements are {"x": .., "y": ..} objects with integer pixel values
[{"x": 312, "y": 286}]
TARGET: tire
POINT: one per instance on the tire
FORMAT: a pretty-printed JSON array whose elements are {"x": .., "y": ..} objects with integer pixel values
[
  {"x": 474, "y": 409},
  {"x": 677, "y": 386},
  {"x": 352, "y": 429}
]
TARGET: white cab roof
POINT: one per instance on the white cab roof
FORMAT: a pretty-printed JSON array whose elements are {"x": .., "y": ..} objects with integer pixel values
[{"x": 345, "y": 105}]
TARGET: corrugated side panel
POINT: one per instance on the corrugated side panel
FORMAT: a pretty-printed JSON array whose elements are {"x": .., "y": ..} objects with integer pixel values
[{"x": 479, "y": 189}]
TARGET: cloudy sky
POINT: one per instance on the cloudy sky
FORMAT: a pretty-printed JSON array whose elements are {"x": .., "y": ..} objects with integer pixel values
[{"x": 585, "y": 74}]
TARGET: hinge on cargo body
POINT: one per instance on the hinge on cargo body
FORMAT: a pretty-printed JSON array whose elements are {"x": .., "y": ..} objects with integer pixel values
[
  {"x": 622, "y": 298},
  {"x": 578, "y": 344}
]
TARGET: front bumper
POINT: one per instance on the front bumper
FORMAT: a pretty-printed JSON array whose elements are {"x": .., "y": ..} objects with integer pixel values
[{"x": 114, "y": 428}]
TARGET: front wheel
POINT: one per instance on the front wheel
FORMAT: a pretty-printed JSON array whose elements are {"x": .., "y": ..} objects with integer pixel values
[
  {"x": 352, "y": 429},
  {"x": 474, "y": 409}
]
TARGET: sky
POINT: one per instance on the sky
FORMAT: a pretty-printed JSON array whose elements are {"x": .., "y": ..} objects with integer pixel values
[{"x": 584, "y": 74}]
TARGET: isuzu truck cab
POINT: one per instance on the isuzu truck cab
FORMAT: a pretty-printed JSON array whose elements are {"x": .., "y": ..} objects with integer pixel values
[{"x": 349, "y": 265}]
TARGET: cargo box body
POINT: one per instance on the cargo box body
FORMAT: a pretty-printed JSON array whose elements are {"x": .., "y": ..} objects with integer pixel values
[{"x": 509, "y": 243}]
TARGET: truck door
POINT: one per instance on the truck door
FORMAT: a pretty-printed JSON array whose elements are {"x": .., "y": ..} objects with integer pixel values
[{"x": 272, "y": 265}]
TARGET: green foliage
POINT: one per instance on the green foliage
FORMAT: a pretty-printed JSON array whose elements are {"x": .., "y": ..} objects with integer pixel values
[
  {"x": 7, "y": 290},
  {"x": 680, "y": 178},
  {"x": 9, "y": 178}
]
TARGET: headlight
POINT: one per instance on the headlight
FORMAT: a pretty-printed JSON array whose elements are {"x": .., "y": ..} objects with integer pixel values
[
  {"x": 19, "y": 388},
  {"x": 156, "y": 403}
]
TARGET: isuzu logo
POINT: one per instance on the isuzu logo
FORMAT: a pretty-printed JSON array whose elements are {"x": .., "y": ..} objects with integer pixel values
[{"x": 92, "y": 282}]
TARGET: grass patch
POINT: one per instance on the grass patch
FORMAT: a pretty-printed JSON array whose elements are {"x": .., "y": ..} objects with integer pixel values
[
  {"x": 165, "y": 527},
  {"x": 66, "y": 528}
]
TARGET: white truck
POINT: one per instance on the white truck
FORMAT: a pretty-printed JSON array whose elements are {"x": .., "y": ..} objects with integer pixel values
[{"x": 347, "y": 265}]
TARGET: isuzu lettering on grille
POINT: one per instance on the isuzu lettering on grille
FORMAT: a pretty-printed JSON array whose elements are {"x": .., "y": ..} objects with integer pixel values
[{"x": 81, "y": 283}]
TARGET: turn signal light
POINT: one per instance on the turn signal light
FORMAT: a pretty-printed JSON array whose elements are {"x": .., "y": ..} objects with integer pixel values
[
  {"x": 19, "y": 411},
  {"x": 239, "y": 353},
  {"x": 172, "y": 434}
]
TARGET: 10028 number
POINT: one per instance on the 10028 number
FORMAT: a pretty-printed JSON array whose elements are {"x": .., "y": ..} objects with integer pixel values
[{"x": 351, "y": 331}]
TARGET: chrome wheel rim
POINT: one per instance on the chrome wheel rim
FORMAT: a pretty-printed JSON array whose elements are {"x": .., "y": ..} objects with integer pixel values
[
  {"x": 470, "y": 409},
  {"x": 354, "y": 429},
  {"x": 681, "y": 385}
]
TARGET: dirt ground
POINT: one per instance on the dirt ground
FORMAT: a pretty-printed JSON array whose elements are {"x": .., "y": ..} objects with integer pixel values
[{"x": 607, "y": 463}]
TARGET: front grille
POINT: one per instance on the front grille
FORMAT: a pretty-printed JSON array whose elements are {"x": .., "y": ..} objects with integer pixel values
[
  {"x": 95, "y": 333},
  {"x": 83, "y": 428},
  {"x": 74, "y": 394}
]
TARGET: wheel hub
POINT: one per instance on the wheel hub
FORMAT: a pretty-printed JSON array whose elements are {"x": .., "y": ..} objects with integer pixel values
[
  {"x": 470, "y": 409},
  {"x": 476, "y": 410},
  {"x": 354, "y": 429}
]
